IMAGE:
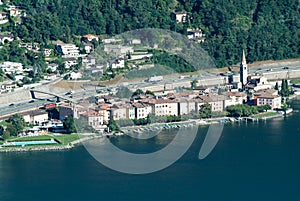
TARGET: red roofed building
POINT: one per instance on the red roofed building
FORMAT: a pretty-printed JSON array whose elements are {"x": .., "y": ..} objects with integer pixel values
[{"x": 90, "y": 37}]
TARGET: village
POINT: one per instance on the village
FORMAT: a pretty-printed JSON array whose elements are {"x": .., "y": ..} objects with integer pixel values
[
  {"x": 60, "y": 60},
  {"x": 110, "y": 113},
  {"x": 249, "y": 95}
]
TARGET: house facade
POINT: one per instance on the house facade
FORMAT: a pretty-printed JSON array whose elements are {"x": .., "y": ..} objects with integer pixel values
[
  {"x": 267, "y": 97},
  {"x": 164, "y": 107},
  {"x": 142, "y": 110},
  {"x": 68, "y": 50}
]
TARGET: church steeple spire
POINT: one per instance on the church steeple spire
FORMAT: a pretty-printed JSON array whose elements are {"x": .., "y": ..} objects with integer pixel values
[
  {"x": 243, "y": 70},
  {"x": 244, "y": 62}
]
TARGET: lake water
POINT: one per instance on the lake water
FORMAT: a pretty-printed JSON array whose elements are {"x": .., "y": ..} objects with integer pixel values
[{"x": 252, "y": 161}]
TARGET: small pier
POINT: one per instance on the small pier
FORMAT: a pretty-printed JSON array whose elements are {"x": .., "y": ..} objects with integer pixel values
[{"x": 252, "y": 119}]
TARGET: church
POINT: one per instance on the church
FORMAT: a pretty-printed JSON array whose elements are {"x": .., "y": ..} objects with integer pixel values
[{"x": 251, "y": 82}]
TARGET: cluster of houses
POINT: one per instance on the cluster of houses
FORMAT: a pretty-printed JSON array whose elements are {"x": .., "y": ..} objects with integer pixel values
[
  {"x": 106, "y": 108},
  {"x": 197, "y": 34},
  {"x": 74, "y": 55},
  {"x": 173, "y": 104},
  {"x": 12, "y": 11}
]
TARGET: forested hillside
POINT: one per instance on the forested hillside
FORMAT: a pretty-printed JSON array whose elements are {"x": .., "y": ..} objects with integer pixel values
[{"x": 266, "y": 29}]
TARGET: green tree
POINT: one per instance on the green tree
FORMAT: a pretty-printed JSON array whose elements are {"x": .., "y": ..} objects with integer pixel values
[
  {"x": 242, "y": 110},
  {"x": 150, "y": 93},
  {"x": 18, "y": 122},
  {"x": 205, "y": 111},
  {"x": 276, "y": 86},
  {"x": 137, "y": 92},
  {"x": 10, "y": 131},
  {"x": 124, "y": 92},
  {"x": 113, "y": 126},
  {"x": 1, "y": 130},
  {"x": 285, "y": 91},
  {"x": 194, "y": 84},
  {"x": 69, "y": 124}
]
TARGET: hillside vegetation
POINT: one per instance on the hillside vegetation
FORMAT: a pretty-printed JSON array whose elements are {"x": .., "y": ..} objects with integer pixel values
[{"x": 266, "y": 29}]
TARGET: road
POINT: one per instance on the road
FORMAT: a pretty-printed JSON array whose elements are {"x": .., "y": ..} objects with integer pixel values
[{"x": 174, "y": 81}]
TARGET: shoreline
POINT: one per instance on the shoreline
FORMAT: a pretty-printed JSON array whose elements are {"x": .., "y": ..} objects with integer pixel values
[
  {"x": 139, "y": 130},
  {"x": 50, "y": 147},
  {"x": 146, "y": 128}
]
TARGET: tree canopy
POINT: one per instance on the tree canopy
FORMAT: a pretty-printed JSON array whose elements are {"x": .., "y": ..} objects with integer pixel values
[{"x": 265, "y": 29}]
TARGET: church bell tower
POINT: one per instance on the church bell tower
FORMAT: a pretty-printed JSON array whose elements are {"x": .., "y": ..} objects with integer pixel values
[{"x": 243, "y": 70}]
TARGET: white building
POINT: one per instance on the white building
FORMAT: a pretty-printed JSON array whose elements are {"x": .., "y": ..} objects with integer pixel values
[
  {"x": 118, "y": 112},
  {"x": 134, "y": 41},
  {"x": 14, "y": 11},
  {"x": 53, "y": 67},
  {"x": 257, "y": 82},
  {"x": 110, "y": 40},
  {"x": 69, "y": 62},
  {"x": 118, "y": 63},
  {"x": 180, "y": 17},
  {"x": 75, "y": 75},
  {"x": 164, "y": 107},
  {"x": 47, "y": 52},
  {"x": 11, "y": 67},
  {"x": 118, "y": 50},
  {"x": 142, "y": 110},
  {"x": 3, "y": 18},
  {"x": 68, "y": 50},
  {"x": 50, "y": 77},
  {"x": 8, "y": 87},
  {"x": 104, "y": 111},
  {"x": 35, "y": 117},
  {"x": 94, "y": 119},
  {"x": 235, "y": 98},
  {"x": 196, "y": 35}
]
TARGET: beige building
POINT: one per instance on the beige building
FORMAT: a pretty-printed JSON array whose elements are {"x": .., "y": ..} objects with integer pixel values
[
  {"x": 119, "y": 112},
  {"x": 257, "y": 82},
  {"x": 164, "y": 107},
  {"x": 118, "y": 50},
  {"x": 35, "y": 117},
  {"x": 94, "y": 119},
  {"x": 267, "y": 97},
  {"x": 180, "y": 17},
  {"x": 66, "y": 110},
  {"x": 104, "y": 111},
  {"x": 142, "y": 110},
  {"x": 235, "y": 98},
  {"x": 186, "y": 106},
  {"x": 216, "y": 101}
]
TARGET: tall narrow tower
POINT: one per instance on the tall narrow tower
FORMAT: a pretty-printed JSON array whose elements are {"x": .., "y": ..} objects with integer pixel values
[{"x": 243, "y": 70}]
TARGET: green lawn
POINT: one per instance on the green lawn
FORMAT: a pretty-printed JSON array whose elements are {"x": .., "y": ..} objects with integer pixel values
[
  {"x": 295, "y": 81},
  {"x": 265, "y": 114},
  {"x": 64, "y": 139}
]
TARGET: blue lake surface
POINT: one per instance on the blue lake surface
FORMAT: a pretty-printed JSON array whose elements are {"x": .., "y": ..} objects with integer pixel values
[{"x": 252, "y": 161}]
